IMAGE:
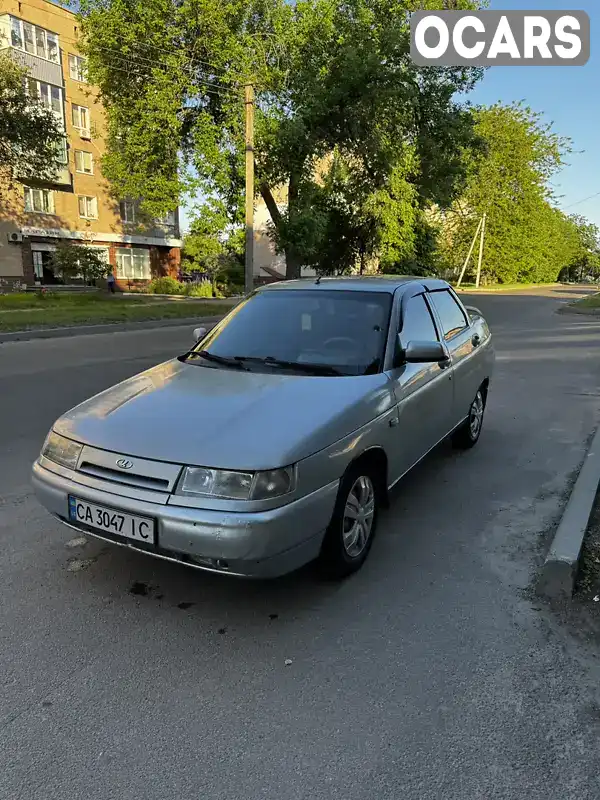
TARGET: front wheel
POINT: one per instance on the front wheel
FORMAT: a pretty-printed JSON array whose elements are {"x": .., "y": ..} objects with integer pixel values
[
  {"x": 352, "y": 528},
  {"x": 469, "y": 432}
]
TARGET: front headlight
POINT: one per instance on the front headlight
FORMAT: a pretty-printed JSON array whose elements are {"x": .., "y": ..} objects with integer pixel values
[
  {"x": 229, "y": 485},
  {"x": 61, "y": 450}
]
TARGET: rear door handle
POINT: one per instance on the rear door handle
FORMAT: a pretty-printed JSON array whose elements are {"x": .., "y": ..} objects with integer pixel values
[{"x": 476, "y": 340}]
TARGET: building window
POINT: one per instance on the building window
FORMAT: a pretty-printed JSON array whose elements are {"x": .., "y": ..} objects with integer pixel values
[
  {"x": 40, "y": 201},
  {"x": 84, "y": 162},
  {"x": 88, "y": 207},
  {"x": 29, "y": 38},
  {"x": 127, "y": 210},
  {"x": 32, "y": 39},
  {"x": 53, "y": 54},
  {"x": 99, "y": 250},
  {"x": 50, "y": 96},
  {"x": 168, "y": 219},
  {"x": 61, "y": 153},
  {"x": 16, "y": 33},
  {"x": 133, "y": 263},
  {"x": 81, "y": 119},
  {"x": 78, "y": 68}
]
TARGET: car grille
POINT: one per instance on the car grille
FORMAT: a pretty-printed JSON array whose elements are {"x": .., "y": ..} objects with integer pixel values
[
  {"x": 129, "y": 478},
  {"x": 140, "y": 473}
]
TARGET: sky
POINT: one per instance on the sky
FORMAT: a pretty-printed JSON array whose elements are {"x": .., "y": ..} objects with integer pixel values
[{"x": 567, "y": 96}]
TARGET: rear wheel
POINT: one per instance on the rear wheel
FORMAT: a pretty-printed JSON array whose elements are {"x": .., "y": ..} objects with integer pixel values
[
  {"x": 352, "y": 528},
  {"x": 469, "y": 432}
]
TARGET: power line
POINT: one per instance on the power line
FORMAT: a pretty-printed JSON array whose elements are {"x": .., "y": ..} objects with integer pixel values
[
  {"x": 585, "y": 199},
  {"x": 193, "y": 60},
  {"x": 145, "y": 64}
]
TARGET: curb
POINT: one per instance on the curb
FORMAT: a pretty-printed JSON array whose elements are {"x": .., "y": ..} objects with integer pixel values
[
  {"x": 112, "y": 327},
  {"x": 582, "y": 311},
  {"x": 557, "y": 578}
]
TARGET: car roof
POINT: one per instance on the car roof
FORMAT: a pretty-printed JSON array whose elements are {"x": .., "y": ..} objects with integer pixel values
[{"x": 365, "y": 283}]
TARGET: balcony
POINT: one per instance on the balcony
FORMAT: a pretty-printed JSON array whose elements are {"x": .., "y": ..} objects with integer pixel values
[
  {"x": 63, "y": 177},
  {"x": 39, "y": 68}
]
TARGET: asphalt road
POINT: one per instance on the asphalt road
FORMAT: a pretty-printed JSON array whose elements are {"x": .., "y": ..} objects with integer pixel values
[{"x": 433, "y": 673}]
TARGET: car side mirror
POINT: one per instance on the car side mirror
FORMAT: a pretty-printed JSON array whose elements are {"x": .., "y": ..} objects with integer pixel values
[
  {"x": 199, "y": 333},
  {"x": 424, "y": 353}
]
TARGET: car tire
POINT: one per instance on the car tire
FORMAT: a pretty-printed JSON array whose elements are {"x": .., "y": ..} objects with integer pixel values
[
  {"x": 467, "y": 435},
  {"x": 350, "y": 533}
]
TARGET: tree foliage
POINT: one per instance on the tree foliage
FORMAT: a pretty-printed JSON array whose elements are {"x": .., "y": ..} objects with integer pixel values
[
  {"x": 527, "y": 238},
  {"x": 585, "y": 250},
  {"x": 73, "y": 261},
  {"x": 29, "y": 132},
  {"x": 214, "y": 247},
  {"x": 332, "y": 78}
]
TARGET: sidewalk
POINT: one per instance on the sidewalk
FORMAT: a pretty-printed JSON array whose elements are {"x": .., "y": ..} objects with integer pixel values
[{"x": 116, "y": 327}]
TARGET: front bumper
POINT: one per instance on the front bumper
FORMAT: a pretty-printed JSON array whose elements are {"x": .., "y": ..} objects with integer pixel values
[{"x": 263, "y": 544}]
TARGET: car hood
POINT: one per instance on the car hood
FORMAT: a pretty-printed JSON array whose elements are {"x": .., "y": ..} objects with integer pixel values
[{"x": 224, "y": 418}]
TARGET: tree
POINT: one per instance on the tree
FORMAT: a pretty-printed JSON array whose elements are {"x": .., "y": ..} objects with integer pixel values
[
  {"x": 527, "y": 238},
  {"x": 30, "y": 133},
  {"x": 214, "y": 247},
  {"x": 74, "y": 261},
  {"x": 330, "y": 76},
  {"x": 585, "y": 257}
]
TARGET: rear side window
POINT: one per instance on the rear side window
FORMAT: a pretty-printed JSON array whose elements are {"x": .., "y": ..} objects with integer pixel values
[
  {"x": 451, "y": 314},
  {"x": 417, "y": 325}
]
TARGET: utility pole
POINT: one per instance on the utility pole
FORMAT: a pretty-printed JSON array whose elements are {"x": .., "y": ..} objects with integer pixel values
[
  {"x": 478, "y": 278},
  {"x": 249, "y": 264},
  {"x": 464, "y": 267}
]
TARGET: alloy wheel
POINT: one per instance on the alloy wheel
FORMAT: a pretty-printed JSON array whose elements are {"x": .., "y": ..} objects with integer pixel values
[{"x": 358, "y": 517}]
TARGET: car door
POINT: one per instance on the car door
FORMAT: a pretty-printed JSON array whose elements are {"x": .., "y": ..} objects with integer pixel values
[
  {"x": 462, "y": 343},
  {"x": 423, "y": 392}
]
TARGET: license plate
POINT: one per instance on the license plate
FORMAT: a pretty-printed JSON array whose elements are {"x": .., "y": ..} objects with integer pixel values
[{"x": 141, "y": 529}]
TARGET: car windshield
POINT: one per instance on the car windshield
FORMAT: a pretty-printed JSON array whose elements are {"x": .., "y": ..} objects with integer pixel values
[{"x": 326, "y": 332}]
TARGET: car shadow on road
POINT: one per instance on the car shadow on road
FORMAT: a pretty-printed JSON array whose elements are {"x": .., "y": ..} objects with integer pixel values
[{"x": 116, "y": 574}]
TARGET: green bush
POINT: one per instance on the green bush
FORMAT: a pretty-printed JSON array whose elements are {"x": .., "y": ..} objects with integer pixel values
[
  {"x": 166, "y": 285},
  {"x": 202, "y": 289}
]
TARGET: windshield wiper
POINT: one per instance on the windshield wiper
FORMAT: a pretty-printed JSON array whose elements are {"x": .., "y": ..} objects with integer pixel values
[
  {"x": 299, "y": 366},
  {"x": 235, "y": 362}
]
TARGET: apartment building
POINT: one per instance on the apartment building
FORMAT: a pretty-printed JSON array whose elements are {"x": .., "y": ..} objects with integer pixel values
[{"x": 76, "y": 205}]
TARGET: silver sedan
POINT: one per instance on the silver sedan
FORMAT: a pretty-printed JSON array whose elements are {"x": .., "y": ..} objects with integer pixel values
[{"x": 275, "y": 440}]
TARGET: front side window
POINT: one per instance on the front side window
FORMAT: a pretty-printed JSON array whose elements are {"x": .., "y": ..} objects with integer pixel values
[
  {"x": 40, "y": 201},
  {"x": 417, "y": 323},
  {"x": 451, "y": 314},
  {"x": 88, "y": 207},
  {"x": 320, "y": 331},
  {"x": 133, "y": 263}
]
